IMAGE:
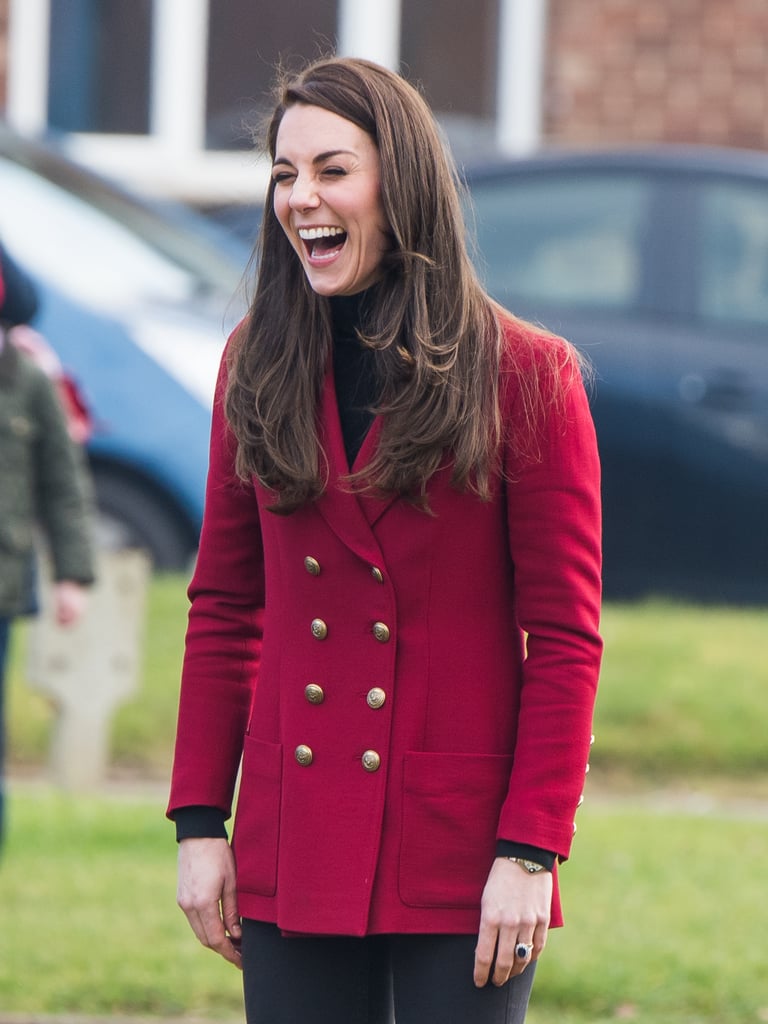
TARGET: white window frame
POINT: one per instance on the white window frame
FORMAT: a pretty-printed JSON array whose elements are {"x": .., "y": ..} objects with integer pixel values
[
  {"x": 521, "y": 53},
  {"x": 172, "y": 160}
]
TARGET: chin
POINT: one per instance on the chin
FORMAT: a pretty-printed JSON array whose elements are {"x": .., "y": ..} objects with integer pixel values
[{"x": 330, "y": 288}]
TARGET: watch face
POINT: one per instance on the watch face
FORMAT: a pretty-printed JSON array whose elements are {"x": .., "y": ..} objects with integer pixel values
[{"x": 532, "y": 866}]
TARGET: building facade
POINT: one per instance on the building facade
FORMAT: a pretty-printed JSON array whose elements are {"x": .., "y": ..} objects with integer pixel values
[{"x": 166, "y": 93}]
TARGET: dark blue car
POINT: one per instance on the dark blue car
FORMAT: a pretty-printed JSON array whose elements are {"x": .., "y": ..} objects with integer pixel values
[{"x": 655, "y": 264}]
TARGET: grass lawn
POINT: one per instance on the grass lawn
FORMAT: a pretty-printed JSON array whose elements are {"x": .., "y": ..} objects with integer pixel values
[
  {"x": 663, "y": 896},
  {"x": 665, "y": 922}
]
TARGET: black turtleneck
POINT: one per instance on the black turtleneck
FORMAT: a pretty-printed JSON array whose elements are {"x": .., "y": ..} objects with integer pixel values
[{"x": 354, "y": 371}]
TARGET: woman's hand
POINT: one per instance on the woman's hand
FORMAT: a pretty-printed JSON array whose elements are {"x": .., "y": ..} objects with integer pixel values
[
  {"x": 515, "y": 908},
  {"x": 206, "y": 893}
]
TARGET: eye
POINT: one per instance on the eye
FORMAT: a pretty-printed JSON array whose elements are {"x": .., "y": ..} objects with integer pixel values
[
  {"x": 334, "y": 172},
  {"x": 280, "y": 177}
]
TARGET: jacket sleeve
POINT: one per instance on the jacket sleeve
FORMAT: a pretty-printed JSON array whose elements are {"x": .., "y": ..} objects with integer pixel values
[
  {"x": 63, "y": 493},
  {"x": 554, "y": 531},
  {"x": 223, "y": 642}
]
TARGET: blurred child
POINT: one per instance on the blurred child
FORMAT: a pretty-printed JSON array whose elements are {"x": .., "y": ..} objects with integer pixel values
[{"x": 43, "y": 482}]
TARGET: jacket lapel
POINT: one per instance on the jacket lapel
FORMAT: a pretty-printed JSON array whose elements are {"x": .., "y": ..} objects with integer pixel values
[
  {"x": 349, "y": 515},
  {"x": 373, "y": 506}
]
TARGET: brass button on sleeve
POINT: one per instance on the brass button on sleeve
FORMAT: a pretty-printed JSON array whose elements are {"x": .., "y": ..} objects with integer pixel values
[
  {"x": 381, "y": 632},
  {"x": 314, "y": 693},
  {"x": 312, "y": 565},
  {"x": 377, "y": 574},
  {"x": 319, "y": 629},
  {"x": 303, "y": 755},
  {"x": 375, "y": 697},
  {"x": 371, "y": 761}
]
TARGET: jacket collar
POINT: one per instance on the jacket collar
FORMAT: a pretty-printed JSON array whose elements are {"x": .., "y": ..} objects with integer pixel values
[{"x": 350, "y": 515}]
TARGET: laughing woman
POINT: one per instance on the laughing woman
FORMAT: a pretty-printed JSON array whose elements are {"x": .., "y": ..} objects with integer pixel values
[{"x": 394, "y": 615}]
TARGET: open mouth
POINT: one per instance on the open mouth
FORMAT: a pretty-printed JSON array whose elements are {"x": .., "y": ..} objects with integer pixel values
[{"x": 322, "y": 243}]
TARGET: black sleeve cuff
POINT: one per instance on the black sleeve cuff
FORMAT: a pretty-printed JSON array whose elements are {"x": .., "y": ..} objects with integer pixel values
[
  {"x": 199, "y": 823},
  {"x": 506, "y": 848}
]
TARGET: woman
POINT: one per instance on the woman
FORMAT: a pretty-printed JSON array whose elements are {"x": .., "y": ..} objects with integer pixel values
[{"x": 403, "y": 485}]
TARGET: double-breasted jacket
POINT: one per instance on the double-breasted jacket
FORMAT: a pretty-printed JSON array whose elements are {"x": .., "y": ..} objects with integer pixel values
[{"x": 398, "y": 688}]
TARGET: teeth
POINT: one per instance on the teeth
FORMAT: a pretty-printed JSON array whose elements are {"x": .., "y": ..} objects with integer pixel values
[{"x": 309, "y": 234}]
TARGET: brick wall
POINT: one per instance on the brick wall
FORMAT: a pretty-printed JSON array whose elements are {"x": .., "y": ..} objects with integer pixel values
[
  {"x": 3, "y": 50},
  {"x": 657, "y": 71}
]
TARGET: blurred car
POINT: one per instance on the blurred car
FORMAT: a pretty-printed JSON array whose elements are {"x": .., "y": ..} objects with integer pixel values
[
  {"x": 655, "y": 264},
  {"x": 136, "y": 300}
]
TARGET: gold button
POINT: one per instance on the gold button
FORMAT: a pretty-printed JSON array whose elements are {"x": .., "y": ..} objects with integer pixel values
[
  {"x": 319, "y": 629},
  {"x": 303, "y": 755},
  {"x": 581, "y": 800},
  {"x": 375, "y": 697},
  {"x": 371, "y": 761},
  {"x": 314, "y": 693},
  {"x": 312, "y": 566},
  {"x": 381, "y": 632},
  {"x": 377, "y": 574}
]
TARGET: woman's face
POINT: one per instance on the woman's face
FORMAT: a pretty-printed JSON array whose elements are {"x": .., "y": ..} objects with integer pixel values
[{"x": 327, "y": 197}]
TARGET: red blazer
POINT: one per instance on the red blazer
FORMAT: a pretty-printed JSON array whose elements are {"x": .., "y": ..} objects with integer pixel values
[{"x": 368, "y": 663}]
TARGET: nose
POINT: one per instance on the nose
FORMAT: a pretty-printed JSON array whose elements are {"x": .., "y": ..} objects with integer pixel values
[{"x": 303, "y": 194}]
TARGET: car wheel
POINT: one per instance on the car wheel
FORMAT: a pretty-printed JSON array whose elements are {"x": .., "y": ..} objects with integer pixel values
[{"x": 131, "y": 515}]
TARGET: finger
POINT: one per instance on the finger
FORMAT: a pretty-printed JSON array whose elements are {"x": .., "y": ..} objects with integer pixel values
[
  {"x": 539, "y": 939},
  {"x": 486, "y": 946},
  {"x": 215, "y": 937},
  {"x": 506, "y": 964},
  {"x": 229, "y": 911},
  {"x": 204, "y": 919},
  {"x": 229, "y": 949},
  {"x": 196, "y": 925}
]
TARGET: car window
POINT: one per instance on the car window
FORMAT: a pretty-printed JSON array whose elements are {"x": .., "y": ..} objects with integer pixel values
[
  {"x": 733, "y": 250},
  {"x": 562, "y": 240},
  {"x": 87, "y": 253},
  {"x": 92, "y": 255}
]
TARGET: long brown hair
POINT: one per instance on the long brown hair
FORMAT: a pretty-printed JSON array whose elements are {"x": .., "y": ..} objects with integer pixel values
[{"x": 434, "y": 330}]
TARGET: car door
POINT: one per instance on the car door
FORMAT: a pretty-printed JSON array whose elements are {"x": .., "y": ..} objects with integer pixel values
[
  {"x": 723, "y": 374},
  {"x": 603, "y": 252}
]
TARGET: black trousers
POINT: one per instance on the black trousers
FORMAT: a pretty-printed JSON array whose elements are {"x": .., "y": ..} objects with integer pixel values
[{"x": 410, "y": 979}]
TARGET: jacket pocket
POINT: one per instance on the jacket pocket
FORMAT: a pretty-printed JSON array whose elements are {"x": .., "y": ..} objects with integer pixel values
[
  {"x": 257, "y": 818},
  {"x": 451, "y": 806}
]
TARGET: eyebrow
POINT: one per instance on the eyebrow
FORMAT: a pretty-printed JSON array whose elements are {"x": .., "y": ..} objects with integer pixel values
[{"x": 320, "y": 158}]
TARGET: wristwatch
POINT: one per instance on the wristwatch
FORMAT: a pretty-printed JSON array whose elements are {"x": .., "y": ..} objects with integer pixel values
[{"x": 528, "y": 865}]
